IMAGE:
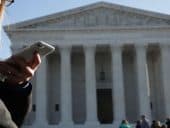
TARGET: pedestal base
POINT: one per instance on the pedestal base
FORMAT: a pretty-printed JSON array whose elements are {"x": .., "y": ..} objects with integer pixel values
[
  {"x": 66, "y": 124},
  {"x": 92, "y": 124}
]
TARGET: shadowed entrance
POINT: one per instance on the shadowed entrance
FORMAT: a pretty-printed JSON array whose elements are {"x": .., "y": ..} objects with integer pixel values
[{"x": 105, "y": 106}]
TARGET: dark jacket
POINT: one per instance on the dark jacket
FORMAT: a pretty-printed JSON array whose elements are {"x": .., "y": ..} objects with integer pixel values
[
  {"x": 168, "y": 123},
  {"x": 16, "y": 100}
]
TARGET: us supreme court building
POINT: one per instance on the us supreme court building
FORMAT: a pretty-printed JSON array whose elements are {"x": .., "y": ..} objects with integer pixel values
[{"x": 111, "y": 63}]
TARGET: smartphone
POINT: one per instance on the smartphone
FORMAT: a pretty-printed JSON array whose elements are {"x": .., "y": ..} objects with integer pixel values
[{"x": 41, "y": 47}]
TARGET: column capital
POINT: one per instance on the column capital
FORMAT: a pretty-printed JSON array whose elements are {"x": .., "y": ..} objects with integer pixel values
[
  {"x": 141, "y": 46},
  {"x": 164, "y": 45},
  {"x": 116, "y": 47},
  {"x": 89, "y": 47},
  {"x": 65, "y": 48}
]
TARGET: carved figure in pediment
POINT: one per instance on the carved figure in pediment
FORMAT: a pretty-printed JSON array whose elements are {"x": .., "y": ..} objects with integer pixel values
[{"x": 101, "y": 17}]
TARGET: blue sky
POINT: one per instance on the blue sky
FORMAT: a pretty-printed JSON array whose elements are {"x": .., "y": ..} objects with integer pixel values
[{"x": 28, "y": 9}]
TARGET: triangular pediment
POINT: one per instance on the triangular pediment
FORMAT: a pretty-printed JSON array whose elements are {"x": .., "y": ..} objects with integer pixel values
[{"x": 98, "y": 14}]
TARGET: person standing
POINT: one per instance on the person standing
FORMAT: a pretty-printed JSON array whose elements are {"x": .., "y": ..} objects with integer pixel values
[
  {"x": 145, "y": 122},
  {"x": 15, "y": 88},
  {"x": 157, "y": 124},
  {"x": 125, "y": 124},
  {"x": 153, "y": 125},
  {"x": 138, "y": 124},
  {"x": 168, "y": 122}
]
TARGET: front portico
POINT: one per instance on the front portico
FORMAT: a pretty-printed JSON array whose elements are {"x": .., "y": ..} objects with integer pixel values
[{"x": 111, "y": 62}]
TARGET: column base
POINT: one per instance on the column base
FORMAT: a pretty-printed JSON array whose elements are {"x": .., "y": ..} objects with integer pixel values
[
  {"x": 40, "y": 125},
  {"x": 117, "y": 123},
  {"x": 66, "y": 124},
  {"x": 92, "y": 124}
]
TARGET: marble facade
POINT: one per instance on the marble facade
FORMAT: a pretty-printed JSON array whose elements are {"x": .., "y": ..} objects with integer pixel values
[{"x": 111, "y": 62}]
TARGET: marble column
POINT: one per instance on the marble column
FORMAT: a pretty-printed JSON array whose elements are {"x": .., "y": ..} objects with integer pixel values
[
  {"x": 66, "y": 95},
  {"x": 165, "y": 68},
  {"x": 118, "y": 85},
  {"x": 142, "y": 81},
  {"x": 41, "y": 96},
  {"x": 90, "y": 83}
]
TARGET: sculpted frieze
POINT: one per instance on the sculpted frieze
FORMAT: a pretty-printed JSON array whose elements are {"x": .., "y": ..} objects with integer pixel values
[{"x": 101, "y": 17}]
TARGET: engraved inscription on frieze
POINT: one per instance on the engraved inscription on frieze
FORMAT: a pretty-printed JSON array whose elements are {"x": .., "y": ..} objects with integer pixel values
[
  {"x": 90, "y": 20},
  {"x": 101, "y": 17},
  {"x": 79, "y": 21}
]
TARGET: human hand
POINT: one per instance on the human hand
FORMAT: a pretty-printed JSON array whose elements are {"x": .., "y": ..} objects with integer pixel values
[{"x": 19, "y": 70}]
